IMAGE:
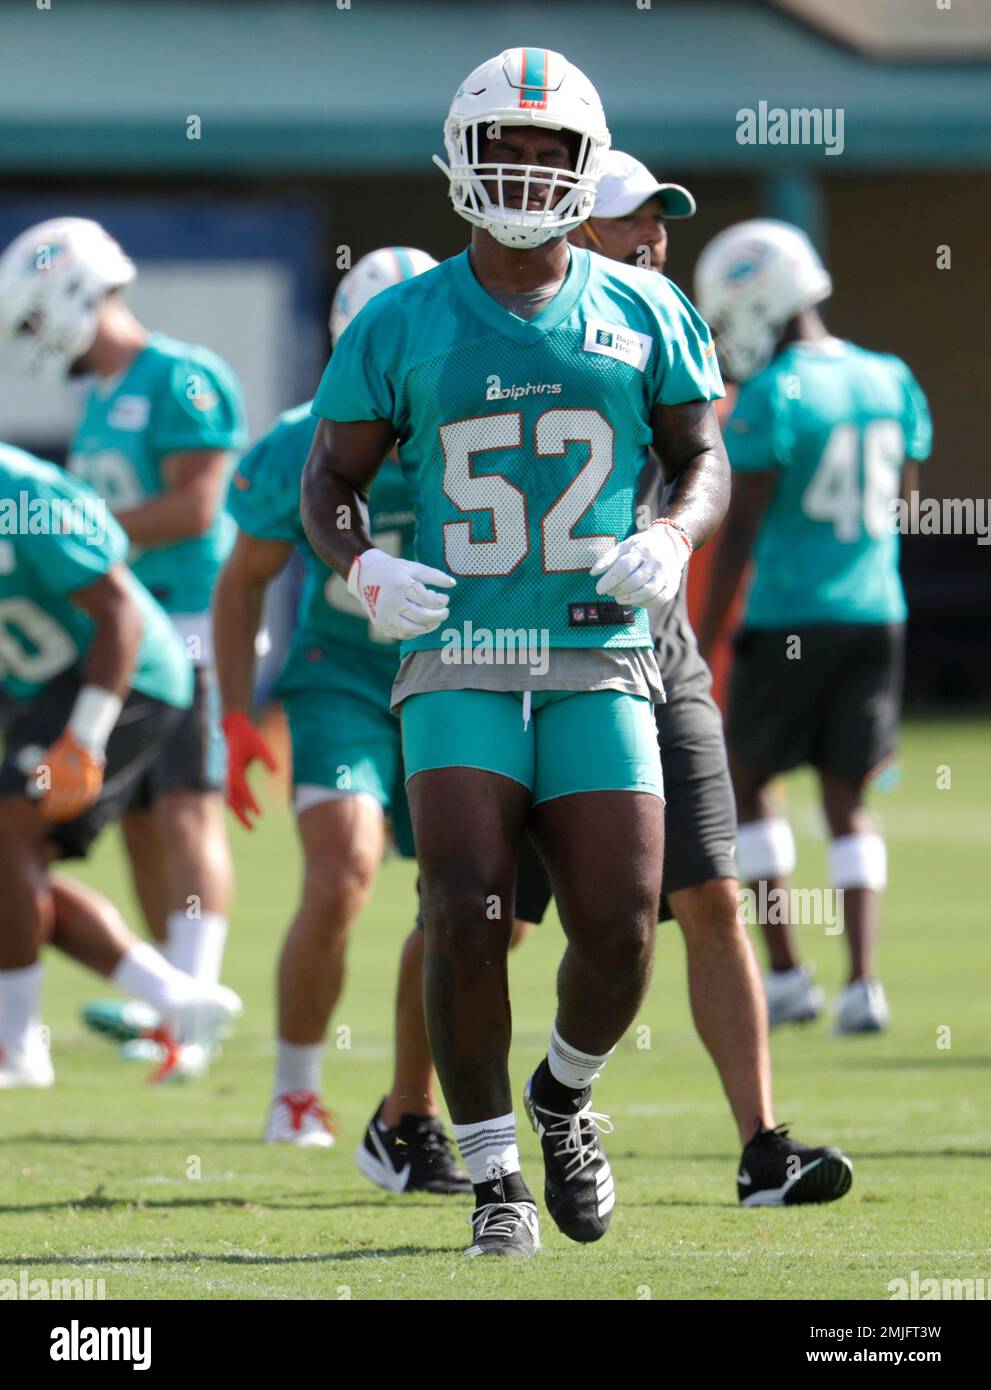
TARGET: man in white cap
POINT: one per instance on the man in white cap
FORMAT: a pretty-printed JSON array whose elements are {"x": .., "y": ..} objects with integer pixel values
[
  {"x": 700, "y": 876},
  {"x": 630, "y": 212}
]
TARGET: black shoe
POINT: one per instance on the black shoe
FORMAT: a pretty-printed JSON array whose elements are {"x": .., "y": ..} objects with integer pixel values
[
  {"x": 776, "y": 1171},
  {"x": 413, "y": 1156},
  {"x": 578, "y": 1183},
  {"x": 504, "y": 1228}
]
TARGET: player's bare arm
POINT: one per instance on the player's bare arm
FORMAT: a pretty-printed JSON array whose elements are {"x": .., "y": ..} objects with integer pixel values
[
  {"x": 689, "y": 444},
  {"x": 343, "y": 462},
  {"x": 752, "y": 493},
  {"x": 646, "y": 568},
  {"x": 195, "y": 482},
  {"x": 237, "y": 610},
  {"x": 74, "y": 762},
  {"x": 117, "y": 620}
]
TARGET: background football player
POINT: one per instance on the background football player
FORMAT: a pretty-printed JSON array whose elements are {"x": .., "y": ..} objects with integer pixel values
[
  {"x": 93, "y": 681},
  {"x": 818, "y": 440},
  {"x": 525, "y": 520},
  {"x": 156, "y": 440},
  {"x": 700, "y": 883},
  {"x": 346, "y": 768}
]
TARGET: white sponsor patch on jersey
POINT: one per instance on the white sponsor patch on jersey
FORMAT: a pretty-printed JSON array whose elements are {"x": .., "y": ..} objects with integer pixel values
[
  {"x": 129, "y": 413},
  {"x": 612, "y": 340}
]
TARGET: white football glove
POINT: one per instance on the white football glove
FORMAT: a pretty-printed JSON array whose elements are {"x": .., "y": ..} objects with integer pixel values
[
  {"x": 392, "y": 592},
  {"x": 646, "y": 567}
]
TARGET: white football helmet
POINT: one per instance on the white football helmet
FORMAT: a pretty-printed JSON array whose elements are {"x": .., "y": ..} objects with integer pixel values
[
  {"x": 53, "y": 278},
  {"x": 376, "y": 271},
  {"x": 749, "y": 281},
  {"x": 524, "y": 86}
]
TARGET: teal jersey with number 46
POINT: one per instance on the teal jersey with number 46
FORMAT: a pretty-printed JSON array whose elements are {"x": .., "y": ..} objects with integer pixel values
[
  {"x": 173, "y": 398},
  {"x": 57, "y": 537},
  {"x": 523, "y": 441},
  {"x": 331, "y": 627},
  {"x": 838, "y": 423}
]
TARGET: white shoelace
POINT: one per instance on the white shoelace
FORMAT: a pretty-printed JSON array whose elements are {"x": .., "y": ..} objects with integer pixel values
[
  {"x": 569, "y": 1130},
  {"x": 499, "y": 1218}
]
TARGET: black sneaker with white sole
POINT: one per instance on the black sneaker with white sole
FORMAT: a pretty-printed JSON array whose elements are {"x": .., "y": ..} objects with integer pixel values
[
  {"x": 578, "y": 1183},
  {"x": 504, "y": 1228},
  {"x": 414, "y": 1156},
  {"x": 776, "y": 1171}
]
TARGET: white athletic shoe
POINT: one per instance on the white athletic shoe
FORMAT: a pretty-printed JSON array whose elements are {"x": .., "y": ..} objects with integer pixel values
[
  {"x": 30, "y": 1067},
  {"x": 792, "y": 996},
  {"x": 206, "y": 1016},
  {"x": 191, "y": 1032},
  {"x": 861, "y": 1008},
  {"x": 297, "y": 1117}
]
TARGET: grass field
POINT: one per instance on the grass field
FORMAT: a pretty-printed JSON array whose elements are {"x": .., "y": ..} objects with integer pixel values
[{"x": 94, "y": 1176}]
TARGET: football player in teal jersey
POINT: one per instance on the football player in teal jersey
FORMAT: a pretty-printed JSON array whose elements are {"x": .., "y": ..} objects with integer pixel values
[
  {"x": 346, "y": 773},
  {"x": 160, "y": 425},
  {"x": 524, "y": 381},
  {"x": 818, "y": 442},
  {"x": 93, "y": 680}
]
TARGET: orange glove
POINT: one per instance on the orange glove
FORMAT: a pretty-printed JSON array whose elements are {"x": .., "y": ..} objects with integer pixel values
[
  {"x": 75, "y": 778},
  {"x": 244, "y": 744}
]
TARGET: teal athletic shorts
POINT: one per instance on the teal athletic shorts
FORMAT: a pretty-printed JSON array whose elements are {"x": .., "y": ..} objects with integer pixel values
[
  {"x": 347, "y": 744},
  {"x": 573, "y": 741}
]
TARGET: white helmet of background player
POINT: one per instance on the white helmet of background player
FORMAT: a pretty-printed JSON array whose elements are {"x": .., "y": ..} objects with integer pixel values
[
  {"x": 530, "y": 87},
  {"x": 749, "y": 281},
  {"x": 53, "y": 278},
  {"x": 374, "y": 272}
]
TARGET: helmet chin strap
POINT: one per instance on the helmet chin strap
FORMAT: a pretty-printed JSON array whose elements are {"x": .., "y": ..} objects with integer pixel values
[{"x": 592, "y": 235}]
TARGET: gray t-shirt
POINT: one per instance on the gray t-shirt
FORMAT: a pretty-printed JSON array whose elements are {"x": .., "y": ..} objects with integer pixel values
[
  {"x": 528, "y": 304},
  {"x": 632, "y": 670}
]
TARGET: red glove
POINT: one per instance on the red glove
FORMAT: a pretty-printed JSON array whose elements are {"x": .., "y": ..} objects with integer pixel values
[{"x": 244, "y": 744}]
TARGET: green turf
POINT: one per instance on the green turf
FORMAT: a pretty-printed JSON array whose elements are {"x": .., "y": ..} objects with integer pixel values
[{"x": 94, "y": 1176}]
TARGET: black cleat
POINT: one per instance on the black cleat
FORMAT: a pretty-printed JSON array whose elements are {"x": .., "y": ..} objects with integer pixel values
[
  {"x": 413, "y": 1156},
  {"x": 578, "y": 1183},
  {"x": 776, "y": 1171},
  {"x": 504, "y": 1228}
]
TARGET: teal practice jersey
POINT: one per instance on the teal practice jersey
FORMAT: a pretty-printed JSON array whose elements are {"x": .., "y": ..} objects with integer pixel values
[
  {"x": 173, "y": 398},
  {"x": 838, "y": 423},
  {"x": 523, "y": 441},
  {"x": 56, "y": 537},
  {"x": 331, "y": 626}
]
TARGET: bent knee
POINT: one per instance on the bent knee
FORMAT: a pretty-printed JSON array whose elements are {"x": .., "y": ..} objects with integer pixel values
[
  {"x": 334, "y": 893},
  {"x": 467, "y": 908},
  {"x": 711, "y": 907}
]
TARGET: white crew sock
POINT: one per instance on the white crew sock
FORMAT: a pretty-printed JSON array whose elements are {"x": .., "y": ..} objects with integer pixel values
[
  {"x": 196, "y": 944},
  {"x": 144, "y": 973},
  {"x": 298, "y": 1067},
  {"x": 573, "y": 1068},
  {"x": 20, "y": 1006},
  {"x": 488, "y": 1148}
]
